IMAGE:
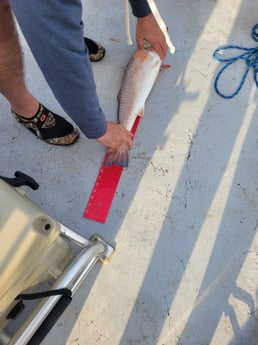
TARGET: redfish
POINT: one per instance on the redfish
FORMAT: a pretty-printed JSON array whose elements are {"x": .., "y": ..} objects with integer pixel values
[{"x": 139, "y": 78}]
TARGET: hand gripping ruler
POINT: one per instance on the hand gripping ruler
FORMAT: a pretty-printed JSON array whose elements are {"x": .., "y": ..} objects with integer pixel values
[{"x": 104, "y": 189}]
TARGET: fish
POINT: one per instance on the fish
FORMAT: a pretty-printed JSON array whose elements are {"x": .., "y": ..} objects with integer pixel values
[{"x": 138, "y": 80}]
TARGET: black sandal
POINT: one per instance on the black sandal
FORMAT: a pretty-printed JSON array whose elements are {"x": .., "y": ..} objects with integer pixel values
[
  {"x": 96, "y": 51},
  {"x": 50, "y": 127}
]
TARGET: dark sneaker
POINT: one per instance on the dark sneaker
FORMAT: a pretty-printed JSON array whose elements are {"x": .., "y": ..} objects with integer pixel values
[
  {"x": 50, "y": 127},
  {"x": 96, "y": 51}
]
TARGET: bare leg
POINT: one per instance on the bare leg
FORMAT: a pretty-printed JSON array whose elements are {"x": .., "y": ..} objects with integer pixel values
[
  {"x": 46, "y": 125},
  {"x": 12, "y": 84}
]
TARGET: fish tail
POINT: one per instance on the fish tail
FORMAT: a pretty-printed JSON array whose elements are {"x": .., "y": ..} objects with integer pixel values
[{"x": 119, "y": 157}]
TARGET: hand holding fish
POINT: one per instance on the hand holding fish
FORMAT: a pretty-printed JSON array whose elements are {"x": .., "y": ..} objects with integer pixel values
[
  {"x": 115, "y": 136},
  {"x": 148, "y": 29}
]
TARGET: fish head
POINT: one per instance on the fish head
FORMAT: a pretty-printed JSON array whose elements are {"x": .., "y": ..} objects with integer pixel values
[{"x": 148, "y": 57}]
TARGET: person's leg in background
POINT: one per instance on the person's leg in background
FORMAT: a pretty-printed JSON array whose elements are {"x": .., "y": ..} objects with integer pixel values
[
  {"x": 12, "y": 86},
  {"x": 54, "y": 32}
]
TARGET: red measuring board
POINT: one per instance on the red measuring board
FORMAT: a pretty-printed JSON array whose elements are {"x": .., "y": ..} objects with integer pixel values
[{"x": 104, "y": 189}]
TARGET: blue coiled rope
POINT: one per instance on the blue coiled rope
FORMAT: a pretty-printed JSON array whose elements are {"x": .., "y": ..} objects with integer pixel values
[{"x": 249, "y": 55}]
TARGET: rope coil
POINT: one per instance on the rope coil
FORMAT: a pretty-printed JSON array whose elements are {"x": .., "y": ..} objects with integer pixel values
[{"x": 249, "y": 55}]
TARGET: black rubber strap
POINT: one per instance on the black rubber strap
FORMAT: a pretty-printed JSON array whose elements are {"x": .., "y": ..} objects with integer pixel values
[
  {"x": 50, "y": 321},
  {"x": 21, "y": 179},
  {"x": 42, "y": 294}
]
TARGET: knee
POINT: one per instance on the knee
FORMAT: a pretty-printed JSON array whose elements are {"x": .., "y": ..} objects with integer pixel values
[
  {"x": 4, "y": 7},
  {"x": 6, "y": 21},
  {"x": 5, "y": 10}
]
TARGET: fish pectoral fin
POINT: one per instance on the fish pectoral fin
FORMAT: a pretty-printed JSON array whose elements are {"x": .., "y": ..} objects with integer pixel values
[
  {"x": 164, "y": 67},
  {"x": 141, "y": 113}
]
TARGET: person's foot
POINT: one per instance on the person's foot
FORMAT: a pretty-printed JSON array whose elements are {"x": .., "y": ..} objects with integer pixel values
[
  {"x": 50, "y": 127},
  {"x": 96, "y": 51}
]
